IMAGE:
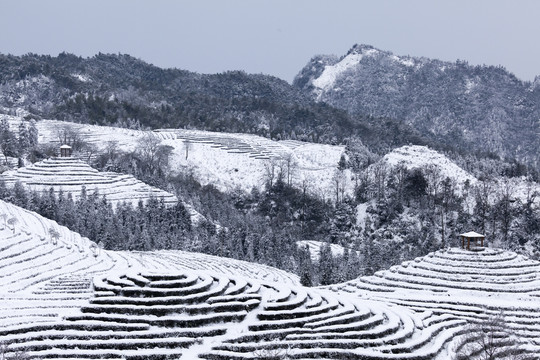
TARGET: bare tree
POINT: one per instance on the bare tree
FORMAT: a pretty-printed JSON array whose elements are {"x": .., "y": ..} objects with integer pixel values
[
  {"x": 339, "y": 179},
  {"x": 147, "y": 147},
  {"x": 434, "y": 179},
  {"x": 482, "y": 193},
  {"x": 153, "y": 153},
  {"x": 72, "y": 136},
  {"x": 505, "y": 207},
  {"x": 490, "y": 339},
  {"x": 270, "y": 167},
  {"x": 288, "y": 167},
  {"x": 380, "y": 174}
]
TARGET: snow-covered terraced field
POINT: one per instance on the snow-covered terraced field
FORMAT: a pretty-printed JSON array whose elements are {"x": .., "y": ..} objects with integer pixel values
[
  {"x": 179, "y": 305},
  {"x": 462, "y": 284},
  {"x": 201, "y": 315},
  {"x": 42, "y": 278},
  {"x": 69, "y": 175},
  {"x": 226, "y": 160}
]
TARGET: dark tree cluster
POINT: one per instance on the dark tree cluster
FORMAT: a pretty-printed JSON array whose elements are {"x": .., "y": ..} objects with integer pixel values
[
  {"x": 143, "y": 227},
  {"x": 123, "y": 91},
  {"x": 18, "y": 144}
]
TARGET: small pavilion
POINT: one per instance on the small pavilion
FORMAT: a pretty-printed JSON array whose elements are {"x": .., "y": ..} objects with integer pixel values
[
  {"x": 477, "y": 239},
  {"x": 65, "y": 151}
]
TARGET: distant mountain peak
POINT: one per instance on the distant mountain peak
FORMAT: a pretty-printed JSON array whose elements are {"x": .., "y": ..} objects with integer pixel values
[
  {"x": 473, "y": 107},
  {"x": 363, "y": 49}
]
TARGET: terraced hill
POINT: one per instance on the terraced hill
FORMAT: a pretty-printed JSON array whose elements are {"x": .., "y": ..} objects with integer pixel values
[
  {"x": 70, "y": 175},
  {"x": 65, "y": 298},
  {"x": 169, "y": 304},
  {"x": 42, "y": 276},
  {"x": 225, "y": 160},
  {"x": 171, "y": 315},
  {"x": 462, "y": 284}
]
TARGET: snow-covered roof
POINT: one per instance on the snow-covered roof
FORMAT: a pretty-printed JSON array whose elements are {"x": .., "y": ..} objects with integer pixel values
[
  {"x": 65, "y": 147},
  {"x": 472, "y": 234}
]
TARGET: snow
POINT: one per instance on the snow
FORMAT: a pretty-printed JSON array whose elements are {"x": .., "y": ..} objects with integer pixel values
[
  {"x": 143, "y": 307},
  {"x": 461, "y": 285},
  {"x": 416, "y": 156},
  {"x": 226, "y": 160},
  {"x": 331, "y": 72},
  {"x": 81, "y": 77},
  {"x": 361, "y": 214},
  {"x": 404, "y": 61},
  {"x": 188, "y": 305},
  {"x": 470, "y": 85},
  {"x": 314, "y": 248},
  {"x": 472, "y": 234},
  {"x": 195, "y": 306}
]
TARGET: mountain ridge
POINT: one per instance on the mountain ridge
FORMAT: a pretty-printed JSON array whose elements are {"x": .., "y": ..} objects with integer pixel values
[{"x": 485, "y": 108}]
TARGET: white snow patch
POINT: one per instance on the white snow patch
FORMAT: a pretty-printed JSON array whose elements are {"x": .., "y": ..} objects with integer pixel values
[
  {"x": 331, "y": 72},
  {"x": 469, "y": 85},
  {"x": 361, "y": 214},
  {"x": 405, "y": 61},
  {"x": 315, "y": 248},
  {"x": 81, "y": 77},
  {"x": 416, "y": 156}
]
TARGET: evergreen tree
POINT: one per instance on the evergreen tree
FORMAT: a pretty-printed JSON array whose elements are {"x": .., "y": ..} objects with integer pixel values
[
  {"x": 33, "y": 134},
  {"x": 23, "y": 139},
  {"x": 326, "y": 265},
  {"x": 8, "y": 142},
  {"x": 305, "y": 267}
]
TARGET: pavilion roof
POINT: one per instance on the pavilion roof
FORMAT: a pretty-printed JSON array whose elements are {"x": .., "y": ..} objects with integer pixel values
[{"x": 472, "y": 234}]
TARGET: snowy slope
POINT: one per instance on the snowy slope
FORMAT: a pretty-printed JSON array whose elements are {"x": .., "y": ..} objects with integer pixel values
[
  {"x": 35, "y": 229},
  {"x": 48, "y": 275},
  {"x": 462, "y": 284},
  {"x": 416, "y": 156},
  {"x": 225, "y": 160},
  {"x": 70, "y": 175},
  {"x": 181, "y": 305},
  {"x": 331, "y": 72}
]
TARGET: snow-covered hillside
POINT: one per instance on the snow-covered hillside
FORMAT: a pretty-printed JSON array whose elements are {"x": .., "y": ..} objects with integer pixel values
[
  {"x": 184, "y": 305},
  {"x": 462, "y": 284},
  {"x": 173, "y": 303},
  {"x": 225, "y": 160},
  {"x": 42, "y": 276},
  {"x": 416, "y": 156},
  {"x": 70, "y": 175}
]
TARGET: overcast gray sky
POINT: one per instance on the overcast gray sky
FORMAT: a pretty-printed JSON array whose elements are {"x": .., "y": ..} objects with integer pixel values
[{"x": 275, "y": 37}]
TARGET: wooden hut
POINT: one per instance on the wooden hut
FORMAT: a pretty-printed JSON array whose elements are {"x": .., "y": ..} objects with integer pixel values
[
  {"x": 477, "y": 239},
  {"x": 65, "y": 151}
]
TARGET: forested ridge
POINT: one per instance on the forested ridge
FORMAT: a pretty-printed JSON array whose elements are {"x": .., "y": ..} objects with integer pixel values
[
  {"x": 475, "y": 108},
  {"x": 120, "y": 90}
]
